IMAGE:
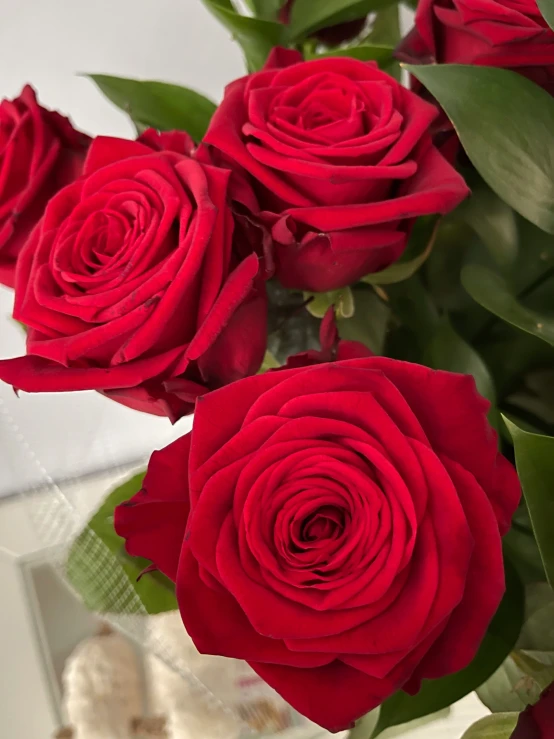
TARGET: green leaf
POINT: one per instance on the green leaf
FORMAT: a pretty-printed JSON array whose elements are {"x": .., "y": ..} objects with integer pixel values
[
  {"x": 437, "y": 694},
  {"x": 158, "y": 104},
  {"x": 266, "y": 9},
  {"x": 492, "y": 292},
  {"x": 103, "y": 573},
  {"x": 415, "y": 255},
  {"x": 448, "y": 351},
  {"x": 535, "y": 467},
  {"x": 342, "y": 299},
  {"x": 381, "y": 54},
  {"x": 547, "y": 9},
  {"x": 257, "y": 37},
  {"x": 386, "y": 26},
  {"x": 269, "y": 363},
  {"x": 504, "y": 122},
  {"x": 308, "y": 16},
  {"x": 370, "y": 320},
  {"x": 499, "y": 726},
  {"x": 529, "y": 669},
  {"x": 519, "y": 543},
  {"x": 494, "y": 222},
  {"x": 414, "y": 309}
]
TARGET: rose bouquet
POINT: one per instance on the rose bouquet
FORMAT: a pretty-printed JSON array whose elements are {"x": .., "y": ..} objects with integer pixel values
[{"x": 345, "y": 272}]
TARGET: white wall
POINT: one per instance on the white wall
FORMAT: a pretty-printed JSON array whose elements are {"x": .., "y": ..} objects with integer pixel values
[{"x": 48, "y": 43}]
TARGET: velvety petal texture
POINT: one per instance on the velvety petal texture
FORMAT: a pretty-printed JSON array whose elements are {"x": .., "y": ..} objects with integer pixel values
[
  {"x": 345, "y": 516},
  {"x": 341, "y": 161},
  {"x": 131, "y": 283},
  {"x": 40, "y": 152},
  {"x": 511, "y": 34}
]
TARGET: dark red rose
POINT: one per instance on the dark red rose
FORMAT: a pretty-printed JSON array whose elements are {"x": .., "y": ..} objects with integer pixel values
[
  {"x": 40, "y": 152},
  {"x": 330, "y": 35},
  {"x": 131, "y": 285},
  {"x": 332, "y": 347},
  {"x": 511, "y": 34},
  {"x": 537, "y": 722},
  {"x": 341, "y": 161},
  {"x": 346, "y": 519}
]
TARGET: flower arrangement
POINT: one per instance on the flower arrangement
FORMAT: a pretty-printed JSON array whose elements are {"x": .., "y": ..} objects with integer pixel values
[{"x": 345, "y": 271}]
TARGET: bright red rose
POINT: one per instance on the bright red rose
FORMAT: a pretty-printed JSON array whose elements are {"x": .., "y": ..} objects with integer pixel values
[
  {"x": 131, "y": 285},
  {"x": 510, "y": 34},
  {"x": 339, "y": 156},
  {"x": 537, "y": 722},
  {"x": 40, "y": 152},
  {"x": 346, "y": 519}
]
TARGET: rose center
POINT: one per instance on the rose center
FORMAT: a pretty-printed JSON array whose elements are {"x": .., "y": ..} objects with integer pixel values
[{"x": 325, "y": 523}]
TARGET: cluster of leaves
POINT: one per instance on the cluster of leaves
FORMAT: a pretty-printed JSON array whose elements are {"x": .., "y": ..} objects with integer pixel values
[{"x": 474, "y": 293}]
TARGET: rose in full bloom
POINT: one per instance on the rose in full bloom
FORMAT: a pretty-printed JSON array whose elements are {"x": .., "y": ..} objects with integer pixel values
[
  {"x": 330, "y": 35},
  {"x": 338, "y": 526},
  {"x": 40, "y": 152},
  {"x": 131, "y": 284},
  {"x": 537, "y": 722},
  {"x": 341, "y": 161},
  {"x": 510, "y": 34}
]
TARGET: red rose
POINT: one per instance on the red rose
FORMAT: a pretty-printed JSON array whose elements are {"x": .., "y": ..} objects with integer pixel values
[
  {"x": 330, "y": 35},
  {"x": 40, "y": 152},
  {"x": 341, "y": 161},
  {"x": 130, "y": 283},
  {"x": 537, "y": 722},
  {"x": 332, "y": 347},
  {"x": 344, "y": 518},
  {"x": 510, "y": 34}
]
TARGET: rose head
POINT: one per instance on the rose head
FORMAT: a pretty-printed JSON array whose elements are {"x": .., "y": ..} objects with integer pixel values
[
  {"x": 510, "y": 34},
  {"x": 40, "y": 152},
  {"x": 131, "y": 285},
  {"x": 347, "y": 520},
  {"x": 341, "y": 161},
  {"x": 537, "y": 722}
]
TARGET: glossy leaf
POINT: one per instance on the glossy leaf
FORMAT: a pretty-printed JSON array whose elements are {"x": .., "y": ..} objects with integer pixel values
[
  {"x": 105, "y": 576},
  {"x": 370, "y": 320},
  {"x": 529, "y": 669},
  {"x": 418, "y": 251},
  {"x": 494, "y": 222},
  {"x": 385, "y": 28},
  {"x": 492, "y": 292},
  {"x": 498, "y": 726},
  {"x": 448, "y": 351},
  {"x": 504, "y": 122},
  {"x": 535, "y": 466},
  {"x": 158, "y": 104},
  {"x": 547, "y": 9},
  {"x": 257, "y": 37},
  {"x": 308, "y": 16},
  {"x": 519, "y": 543},
  {"x": 437, "y": 694},
  {"x": 379, "y": 53},
  {"x": 266, "y": 9}
]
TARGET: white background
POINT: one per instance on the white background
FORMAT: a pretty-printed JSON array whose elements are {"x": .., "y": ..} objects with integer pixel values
[{"x": 49, "y": 43}]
